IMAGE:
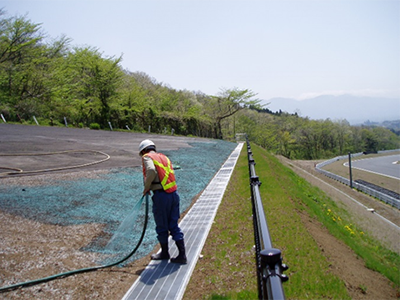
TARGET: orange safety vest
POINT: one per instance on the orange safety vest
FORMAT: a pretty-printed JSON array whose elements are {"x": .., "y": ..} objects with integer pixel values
[{"x": 165, "y": 171}]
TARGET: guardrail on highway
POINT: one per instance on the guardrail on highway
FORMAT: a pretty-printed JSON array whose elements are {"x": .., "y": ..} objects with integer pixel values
[{"x": 363, "y": 188}]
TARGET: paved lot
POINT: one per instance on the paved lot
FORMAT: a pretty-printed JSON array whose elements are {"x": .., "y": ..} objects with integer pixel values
[{"x": 120, "y": 146}]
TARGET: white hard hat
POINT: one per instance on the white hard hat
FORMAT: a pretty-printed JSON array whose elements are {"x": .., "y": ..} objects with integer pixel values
[{"x": 144, "y": 144}]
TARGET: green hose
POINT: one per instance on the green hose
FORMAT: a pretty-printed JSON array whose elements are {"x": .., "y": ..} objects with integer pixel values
[{"x": 66, "y": 274}]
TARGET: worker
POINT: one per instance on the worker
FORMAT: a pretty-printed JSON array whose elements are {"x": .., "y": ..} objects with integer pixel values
[{"x": 159, "y": 178}]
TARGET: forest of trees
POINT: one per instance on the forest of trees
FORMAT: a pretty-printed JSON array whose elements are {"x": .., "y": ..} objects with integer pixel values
[{"x": 52, "y": 80}]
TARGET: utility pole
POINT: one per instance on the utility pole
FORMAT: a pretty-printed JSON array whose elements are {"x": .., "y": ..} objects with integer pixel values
[{"x": 351, "y": 176}]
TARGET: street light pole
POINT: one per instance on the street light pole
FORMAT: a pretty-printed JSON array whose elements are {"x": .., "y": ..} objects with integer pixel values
[{"x": 351, "y": 176}]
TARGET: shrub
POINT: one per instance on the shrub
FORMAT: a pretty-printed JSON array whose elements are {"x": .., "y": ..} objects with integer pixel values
[{"x": 94, "y": 126}]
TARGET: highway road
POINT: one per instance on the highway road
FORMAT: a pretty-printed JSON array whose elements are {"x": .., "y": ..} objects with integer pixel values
[{"x": 384, "y": 165}]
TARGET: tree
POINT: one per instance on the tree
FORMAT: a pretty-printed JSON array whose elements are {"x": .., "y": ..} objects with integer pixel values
[
  {"x": 284, "y": 129},
  {"x": 133, "y": 103},
  {"x": 343, "y": 135},
  {"x": 20, "y": 53},
  {"x": 27, "y": 67},
  {"x": 370, "y": 140},
  {"x": 93, "y": 83},
  {"x": 386, "y": 138},
  {"x": 227, "y": 103}
]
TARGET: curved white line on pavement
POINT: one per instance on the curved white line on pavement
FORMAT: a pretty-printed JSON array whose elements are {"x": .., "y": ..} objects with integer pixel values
[
  {"x": 389, "y": 176},
  {"x": 346, "y": 164}
]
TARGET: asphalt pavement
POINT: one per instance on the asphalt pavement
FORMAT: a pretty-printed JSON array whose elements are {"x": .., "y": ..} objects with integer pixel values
[
  {"x": 384, "y": 165},
  {"x": 122, "y": 147}
]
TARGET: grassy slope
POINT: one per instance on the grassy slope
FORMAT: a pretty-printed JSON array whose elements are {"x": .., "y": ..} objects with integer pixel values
[
  {"x": 227, "y": 266},
  {"x": 227, "y": 270},
  {"x": 281, "y": 191}
]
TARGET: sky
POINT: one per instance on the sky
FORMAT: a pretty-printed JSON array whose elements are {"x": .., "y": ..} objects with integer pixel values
[{"x": 293, "y": 49}]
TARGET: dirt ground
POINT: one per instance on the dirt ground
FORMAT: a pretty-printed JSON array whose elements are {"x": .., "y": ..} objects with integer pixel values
[{"x": 31, "y": 250}]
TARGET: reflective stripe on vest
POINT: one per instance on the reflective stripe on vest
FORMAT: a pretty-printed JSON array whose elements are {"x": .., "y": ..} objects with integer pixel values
[{"x": 165, "y": 171}]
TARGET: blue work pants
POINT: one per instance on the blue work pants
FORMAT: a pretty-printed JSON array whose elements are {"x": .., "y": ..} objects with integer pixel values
[{"x": 166, "y": 215}]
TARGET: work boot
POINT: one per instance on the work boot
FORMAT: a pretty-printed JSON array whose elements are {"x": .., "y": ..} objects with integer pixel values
[
  {"x": 181, "y": 258},
  {"x": 163, "y": 254}
]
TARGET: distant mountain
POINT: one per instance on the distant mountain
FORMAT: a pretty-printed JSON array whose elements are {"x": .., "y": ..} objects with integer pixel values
[{"x": 356, "y": 110}]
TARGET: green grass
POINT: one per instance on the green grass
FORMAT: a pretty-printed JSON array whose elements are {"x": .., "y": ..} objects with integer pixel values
[
  {"x": 312, "y": 200},
  {"x": 228, "y": 266},
  {"x": 336, "y": 220},
  {"x": 309, "y": 275},
  {"x": 227, "y": 270}
]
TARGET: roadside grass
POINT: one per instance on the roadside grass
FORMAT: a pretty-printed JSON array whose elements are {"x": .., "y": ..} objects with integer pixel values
[
  {"x": 281, "y": 192},
  {"x": 316, "y": 203},
  {"x": 227, "y": 267}
]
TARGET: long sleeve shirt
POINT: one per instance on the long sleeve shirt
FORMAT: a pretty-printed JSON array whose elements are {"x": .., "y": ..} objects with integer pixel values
[{"x": 152, "y": 181}]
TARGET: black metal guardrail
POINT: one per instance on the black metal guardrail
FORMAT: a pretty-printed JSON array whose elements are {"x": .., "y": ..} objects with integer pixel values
[{"x": 268, "y": 259}]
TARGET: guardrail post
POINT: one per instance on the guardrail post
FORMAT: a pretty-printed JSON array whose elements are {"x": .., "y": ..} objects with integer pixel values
[{"x": 272, "y": 269}]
